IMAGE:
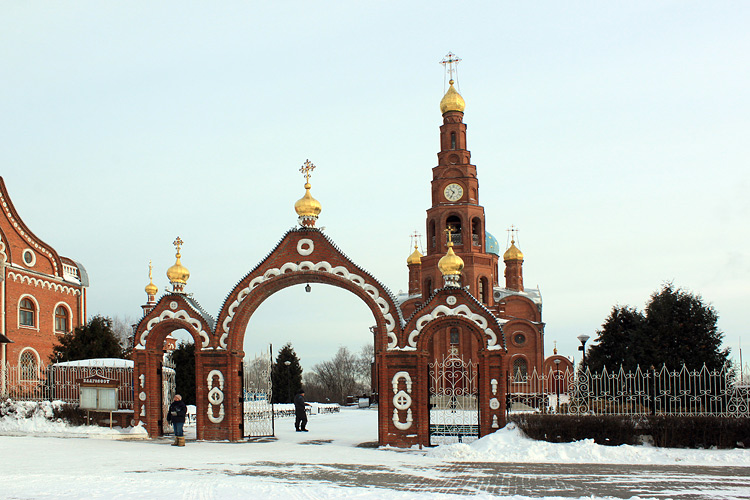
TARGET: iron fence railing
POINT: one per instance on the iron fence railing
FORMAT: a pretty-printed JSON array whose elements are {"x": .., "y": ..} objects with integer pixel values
[
  {"x": 47, "y": 383},
  {"x": 642, "y": 392}
]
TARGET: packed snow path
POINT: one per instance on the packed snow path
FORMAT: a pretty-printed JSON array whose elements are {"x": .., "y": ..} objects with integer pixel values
[{"x": 337, "y": 459}]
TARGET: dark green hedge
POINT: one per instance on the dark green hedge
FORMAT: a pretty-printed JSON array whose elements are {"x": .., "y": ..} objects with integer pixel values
[{"x": 665, "y": 431}]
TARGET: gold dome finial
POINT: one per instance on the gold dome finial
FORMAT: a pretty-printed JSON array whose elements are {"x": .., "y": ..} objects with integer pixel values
[
  {"x": 451, "y": 264},
  {"x": 307, "y": 207},
  {"x": 452, "y": 100},
  {"x": 554, "y": 350},
  {"x": 513, "y": 253},
  {"x": 415, "y": 257},
  {"x": 151, "y": 289},
  {"x": 178, "y": 274}
]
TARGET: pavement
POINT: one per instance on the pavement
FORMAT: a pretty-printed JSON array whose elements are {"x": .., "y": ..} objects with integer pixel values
[{"x": 532, "y": 480}]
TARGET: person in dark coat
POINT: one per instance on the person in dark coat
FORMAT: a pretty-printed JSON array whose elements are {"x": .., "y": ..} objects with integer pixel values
[
  {"x": 300, "y": 420},
  {"x": 176, "y": 417}
]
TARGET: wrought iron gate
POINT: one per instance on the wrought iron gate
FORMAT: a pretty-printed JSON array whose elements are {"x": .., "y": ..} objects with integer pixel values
[
  {"x": 257, "y": 418},
  {"x": 168, "y": 390},
  {"x": 454, "y": 400}
]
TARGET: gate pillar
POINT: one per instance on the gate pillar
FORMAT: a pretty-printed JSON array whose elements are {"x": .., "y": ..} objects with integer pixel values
[
  {"x": 399, "y": 407},
  {"x": 216, "y": 389}
]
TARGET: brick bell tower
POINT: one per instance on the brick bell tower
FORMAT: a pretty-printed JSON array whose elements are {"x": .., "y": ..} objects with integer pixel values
[{"x": 455, "y": 206}]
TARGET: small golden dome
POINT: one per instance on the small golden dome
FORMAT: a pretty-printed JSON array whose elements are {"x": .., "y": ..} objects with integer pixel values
[
  {"x": 450, "y": 264},
  {"x": 414, "y": 258},
  {"x": 307, "y": 206},
  {"x": 513, "y": 253},
  {"x": 178, "y": 274},
  {"x": 151, "y": 289},
  {"x": 452, "y": 101}
]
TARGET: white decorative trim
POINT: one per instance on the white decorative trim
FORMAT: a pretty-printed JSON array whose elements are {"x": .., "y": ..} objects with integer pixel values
[
  {"x": 215, "y": 396},
  {"x": 142, "y": 379},
  {"x": 493, "y": 383},
  {"x": 42, "y": 283},
  {"x": 402, "y": 400},
  {"x": 462, "y": 310},
  {"x": 322, "y": 266},
  {"x": 305, "y": 247},
  {"x": 142, "y": 396},
  {"x": 451, "y": 300},
  {"x": 495, "y": 425},
  {"x": 70, "y": 317},
  {"x": 3, "y": 255},
  {"x": 173, "y": 305},
  {"x": 494, "y": 404},
  {"x": 181, "y": 314},
  {"x": 26, "y": 236}
]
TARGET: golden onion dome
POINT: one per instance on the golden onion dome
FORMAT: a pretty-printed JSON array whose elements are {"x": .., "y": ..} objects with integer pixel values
[
  {"x": 513, "y": 253},
  {"x": 307, "y": 206},
  {"x": 178, "y": 273},
  {"x": 414, "y": 258},
  {"x": 450, "y": 264},
  {"x": 452, "y": 101},
  {"x": 151, "y": 289}
]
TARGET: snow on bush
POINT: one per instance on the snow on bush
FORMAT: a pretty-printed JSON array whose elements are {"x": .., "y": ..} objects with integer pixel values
[{"x": 39, "y": 418}]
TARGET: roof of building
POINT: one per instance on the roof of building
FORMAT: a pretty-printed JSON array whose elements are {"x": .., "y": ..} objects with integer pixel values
[
  {"x": 491, "y": 245},
  {"x": 533, "y": 294}
]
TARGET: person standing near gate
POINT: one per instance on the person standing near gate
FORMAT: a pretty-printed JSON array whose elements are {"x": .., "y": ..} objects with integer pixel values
[
  {"x": 300, "y": 420},
  {"x": 176, "y": 417}
]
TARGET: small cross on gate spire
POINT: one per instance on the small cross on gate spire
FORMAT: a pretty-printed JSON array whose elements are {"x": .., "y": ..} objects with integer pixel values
[
  {"x": 450, "y": 62},
  {"x": 178, "y": 243}
]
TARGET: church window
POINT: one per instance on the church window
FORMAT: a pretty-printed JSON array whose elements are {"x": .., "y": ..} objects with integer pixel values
[
  {"x": 453, "y": 140},
  {"x": 432, "y": 234},
  {"x": 476, "y": 232},
  {"x": 454, "y": 336},
  {"x": 482, "y": 284},
  {"x": 28, "y": 364},
  {"x": 454, "y": 223},
  {"x": 428, "y": 288},
  {"x": 29, "y": 258},
  {"x": 520, "y": 370},
  {"x": 519, "y": 338},
  {"x": 26, "y": 313},
  {"x": 61, "y": 319}
]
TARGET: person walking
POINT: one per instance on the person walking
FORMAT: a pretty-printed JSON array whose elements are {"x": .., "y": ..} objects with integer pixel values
[
  {"x": 300, "y": 420},
  {"x": 176, "y": 417}
]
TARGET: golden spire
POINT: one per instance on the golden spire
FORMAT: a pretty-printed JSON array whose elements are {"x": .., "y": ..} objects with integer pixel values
[
  {"x": 178, "y": 274},
  {"x": 415, "y": 257},
  {"x": 151, "y": 289},
  {"x": 451, "y": 264},
  {"x": 307, "y": 207},
  {"x": 513, "y": 253}
]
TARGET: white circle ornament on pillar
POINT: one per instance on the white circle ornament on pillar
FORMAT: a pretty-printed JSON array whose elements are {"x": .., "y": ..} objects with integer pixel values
[
  {"x": 305, "y": 247},
  {"x": 451, "y": 300},
  {"x": 494, "y": 404}
]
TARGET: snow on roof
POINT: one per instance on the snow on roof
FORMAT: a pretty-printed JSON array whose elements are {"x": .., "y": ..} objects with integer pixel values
[
  {"x": 532, "y": 294},
  {"x": 99, "y": 363}
]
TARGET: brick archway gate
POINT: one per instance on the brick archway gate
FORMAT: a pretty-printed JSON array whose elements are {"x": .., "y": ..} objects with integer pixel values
[{"x": 304, "y": 255}]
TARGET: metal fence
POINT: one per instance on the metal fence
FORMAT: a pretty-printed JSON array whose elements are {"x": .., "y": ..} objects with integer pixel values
[
  {"x": 46, "y": 383},
  {"x": 661, "y": 391}
]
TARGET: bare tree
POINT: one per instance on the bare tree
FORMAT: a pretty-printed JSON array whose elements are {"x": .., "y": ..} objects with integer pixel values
[
  {"x": 338, "y": 377},
  {"x": 364, "y": 366},
  {"x": 257, "y": 371}
]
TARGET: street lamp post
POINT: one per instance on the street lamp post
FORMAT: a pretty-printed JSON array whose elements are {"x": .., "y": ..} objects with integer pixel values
[
  {"x": 583, "y": 338},
  {"x": 557, "y": 385},
  {"x": 289, "y": 379}
]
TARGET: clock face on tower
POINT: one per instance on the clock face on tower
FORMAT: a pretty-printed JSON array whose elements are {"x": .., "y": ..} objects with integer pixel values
[{"x": 453, "y": 192}]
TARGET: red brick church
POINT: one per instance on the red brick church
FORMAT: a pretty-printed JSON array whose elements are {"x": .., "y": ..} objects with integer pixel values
[{"x": 43, "y": 294}]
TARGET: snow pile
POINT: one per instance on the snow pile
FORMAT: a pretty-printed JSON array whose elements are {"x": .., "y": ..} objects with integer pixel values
[
  {"x": 38, "y": 418},
  {"x": 510, "y": 444}
]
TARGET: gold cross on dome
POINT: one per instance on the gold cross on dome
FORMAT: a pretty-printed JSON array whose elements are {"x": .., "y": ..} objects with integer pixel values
[
  {"x": 178, "y": 243},
  {"x": 450, "y": 61},
  {"x": 450, "y": 230},
  {"x": 513, "y": 232},
  {"x": 150, "y": 269},
  {"x": 307, "y": 169},
  {"x": 415, "y": 238}
]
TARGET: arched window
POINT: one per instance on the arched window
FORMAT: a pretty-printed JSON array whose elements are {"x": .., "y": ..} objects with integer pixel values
[
  {"x": 432, "y": 234},
  {"x": 454, "y": 222},
  {"x": 61, "y": 319},
  {"x": 483, "y": 289},
  {"x": 26, "y": 312},
  {"x": 520, "y": 370},
  {"x": 453, "y": 140},
  {"x": 28, "y": 365},
  {"x": 476, "y": 232}
]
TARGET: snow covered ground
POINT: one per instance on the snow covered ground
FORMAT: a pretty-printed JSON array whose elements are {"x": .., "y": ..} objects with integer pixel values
[{"x": 43, "y": 459}]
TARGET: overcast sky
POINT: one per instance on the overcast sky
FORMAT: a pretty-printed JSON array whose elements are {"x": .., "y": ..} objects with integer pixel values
[{"x": 615, "y": 135}]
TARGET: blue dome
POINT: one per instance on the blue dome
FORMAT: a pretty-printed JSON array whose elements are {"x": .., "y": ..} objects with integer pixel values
[{"x": 490, "y": 244}]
